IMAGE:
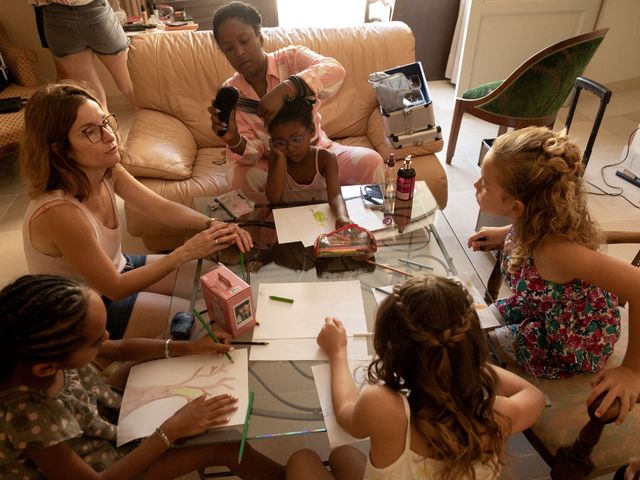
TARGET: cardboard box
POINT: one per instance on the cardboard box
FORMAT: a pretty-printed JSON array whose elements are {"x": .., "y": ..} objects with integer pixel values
[
  {"x": 417, "y": 117},
  {"x": 228, "y": 299},
  {"x": 417, "y": 138}
]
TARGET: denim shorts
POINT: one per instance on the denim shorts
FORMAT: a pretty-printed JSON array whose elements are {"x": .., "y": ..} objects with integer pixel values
[
  {"x": 119, "y": 311},
  {"x": 72, "y": 29}
]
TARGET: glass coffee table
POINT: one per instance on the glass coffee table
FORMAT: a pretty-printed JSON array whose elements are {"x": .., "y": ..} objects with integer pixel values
[{"x": 285, "y": 397}]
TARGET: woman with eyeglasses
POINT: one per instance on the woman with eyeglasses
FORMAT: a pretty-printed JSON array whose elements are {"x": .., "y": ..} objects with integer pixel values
[
  {"x": 70, "y": 160},
  {"x": 271, "y": 79}
]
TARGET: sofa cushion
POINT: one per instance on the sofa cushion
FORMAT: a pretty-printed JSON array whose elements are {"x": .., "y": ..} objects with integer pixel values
[
  {"x": 159, "y": 146},
  {"x": 180, "y": 72}
]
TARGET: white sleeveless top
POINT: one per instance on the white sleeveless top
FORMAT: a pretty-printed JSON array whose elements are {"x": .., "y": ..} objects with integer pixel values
[
  {"x": 411, "y": 465},
  {"x": 317, "y": 183},
  {"x": 42, "y": 263}
]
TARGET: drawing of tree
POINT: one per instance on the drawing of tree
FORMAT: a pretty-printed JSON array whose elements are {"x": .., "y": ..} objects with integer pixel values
[{"x": 139, "y": 396}]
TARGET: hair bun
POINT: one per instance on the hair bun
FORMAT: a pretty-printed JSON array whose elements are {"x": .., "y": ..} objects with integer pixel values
[{"x": 561, "y": 155}]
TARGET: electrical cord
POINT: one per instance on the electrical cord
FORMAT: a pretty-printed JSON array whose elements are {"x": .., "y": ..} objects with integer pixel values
[{"x": 620, "y": 192}]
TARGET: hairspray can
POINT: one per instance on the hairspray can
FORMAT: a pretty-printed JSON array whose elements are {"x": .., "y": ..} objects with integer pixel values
[{"x": 406, "y": 180}]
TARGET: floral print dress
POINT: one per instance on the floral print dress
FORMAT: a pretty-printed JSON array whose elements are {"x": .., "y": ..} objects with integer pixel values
[{"x": 559, "y": 329}]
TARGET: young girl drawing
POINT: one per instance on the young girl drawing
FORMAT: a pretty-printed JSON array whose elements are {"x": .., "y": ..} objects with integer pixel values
[
  {"x": 295, "y": 166},
  {"x": 563, "y": 316},
  {"x": 435, "y": 408},
  {"x": 52, "y": 404}
]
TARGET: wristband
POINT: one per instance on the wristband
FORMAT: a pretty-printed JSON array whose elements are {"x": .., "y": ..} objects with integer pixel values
[
  {"x": 164, "y": 438},
  {"x": 166, "y": 348},
  {"x": 237, "y": 144},
  {"x": 297, "y": 81},
  {"x": 295, "y": 90}
]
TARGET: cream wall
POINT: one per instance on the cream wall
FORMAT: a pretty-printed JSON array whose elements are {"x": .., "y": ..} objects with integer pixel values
[
  {"x": 19, "y": 21},
  {"x": 618, "y": 58}
]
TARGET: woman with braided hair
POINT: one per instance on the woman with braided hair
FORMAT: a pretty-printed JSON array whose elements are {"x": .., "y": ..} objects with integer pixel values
[
  {"x": 435, "y": 408},
  {"x": 55, "y": 411},
  {"x": 562, "y": 317}
]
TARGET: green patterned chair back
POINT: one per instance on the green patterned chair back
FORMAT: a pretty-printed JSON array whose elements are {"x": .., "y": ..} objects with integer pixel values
[{"x": 540, "y": 85}]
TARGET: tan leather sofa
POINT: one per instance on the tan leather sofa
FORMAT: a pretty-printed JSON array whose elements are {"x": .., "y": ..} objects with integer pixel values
[{"x": 172, "y": 149}]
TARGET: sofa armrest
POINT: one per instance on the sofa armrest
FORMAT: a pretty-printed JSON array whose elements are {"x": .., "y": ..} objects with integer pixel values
[
  {"x": 159, "y": 146},
  {"x": 377, "y": 137}
]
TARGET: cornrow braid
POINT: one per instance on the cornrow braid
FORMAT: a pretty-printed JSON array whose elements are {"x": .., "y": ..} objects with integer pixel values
[{"x": 42, "y": 320}]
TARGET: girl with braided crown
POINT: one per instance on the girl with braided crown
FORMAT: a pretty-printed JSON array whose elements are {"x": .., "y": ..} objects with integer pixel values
[
  {"x": 563, "y": 316},
  {"x": 54, "y": 410},
  {"x": 435, "y": 408}
]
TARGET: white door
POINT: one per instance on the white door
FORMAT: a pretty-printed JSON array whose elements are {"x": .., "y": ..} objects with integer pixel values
[{"x": 499, "y": 35}]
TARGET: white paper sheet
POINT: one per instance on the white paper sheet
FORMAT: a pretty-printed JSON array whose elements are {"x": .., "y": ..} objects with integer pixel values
[
  {"x": 303, "y": 349},
  {"x": 157, "y": 389},
  {"x": 313, "y": 302},
  {"x": 303, "y": 223},
  {"x": 322, "y": 378},
  {"x": 485, "y": 314}
]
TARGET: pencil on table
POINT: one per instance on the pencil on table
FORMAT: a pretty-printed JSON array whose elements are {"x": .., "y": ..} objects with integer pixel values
[
  {"x": 243, "y": 441},
  {"x": 389, "y": 267}
]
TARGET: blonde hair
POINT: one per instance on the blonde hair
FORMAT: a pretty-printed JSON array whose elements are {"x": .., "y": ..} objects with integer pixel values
[
  {"x": 45, "y": 164},
  {"x": 544, "y": 170},
  {"x": 428, "y": 341}
]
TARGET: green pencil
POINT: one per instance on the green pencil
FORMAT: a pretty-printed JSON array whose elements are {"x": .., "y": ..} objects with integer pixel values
[
  {"x": 281, "y": 299},
  {"x": 213, "y": 336},
  {"x": 245, "y": 428},
  {"x": 244, "y": 277}
]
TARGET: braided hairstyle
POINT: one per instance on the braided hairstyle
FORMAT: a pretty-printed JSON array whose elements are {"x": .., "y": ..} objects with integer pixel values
[
  {"x": 544, "y": 170},
  {"x": 240, "y": 10},
  {"x": 41, "y": 320},
  {"x": 428, "y": 341},
  {"x": 296, "y": 109}
]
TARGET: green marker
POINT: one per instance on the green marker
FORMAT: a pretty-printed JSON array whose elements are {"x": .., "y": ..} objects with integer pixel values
[
  {"x": 281, "y": 299},
  {"x": 213, "y": 336}
]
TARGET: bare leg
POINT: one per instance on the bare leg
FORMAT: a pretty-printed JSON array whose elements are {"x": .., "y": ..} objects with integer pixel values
[
  {"x": 347, "y": 463},
  {"x": 117, "y": 66},
  {"x": 180, "y": 461},
  {"x": 307, "y": 465},
  {"x": 79, "y": 66}
]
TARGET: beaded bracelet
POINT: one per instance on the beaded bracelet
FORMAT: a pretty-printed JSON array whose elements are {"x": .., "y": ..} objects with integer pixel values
[
  {"x": 300, "y": 90},
  {"x": 237, "y": 144},
  {"x": 164, "y": 438}
]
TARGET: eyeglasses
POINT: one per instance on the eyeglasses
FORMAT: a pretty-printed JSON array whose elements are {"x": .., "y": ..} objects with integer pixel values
[
  {"x": 282, "y": 143},
  {"x": 95, "y": 133}
]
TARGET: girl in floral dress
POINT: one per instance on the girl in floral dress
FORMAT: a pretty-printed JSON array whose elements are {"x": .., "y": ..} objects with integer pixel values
[{"x": 563, "y": 316}]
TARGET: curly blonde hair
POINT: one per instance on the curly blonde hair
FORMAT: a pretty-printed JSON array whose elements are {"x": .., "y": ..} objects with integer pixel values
[
  {"x": 428, "y": 341},
  {"x": 544, "y": 170}
]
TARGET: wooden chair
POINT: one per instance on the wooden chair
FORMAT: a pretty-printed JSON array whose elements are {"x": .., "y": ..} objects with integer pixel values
[
  {"x": 533, "y": 93},
  {"x": 568, "y": 436}
]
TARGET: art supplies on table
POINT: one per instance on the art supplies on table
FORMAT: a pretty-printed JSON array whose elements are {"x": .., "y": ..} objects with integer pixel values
[
  {"x": 156, "y": 389},
  {"x": 488, "y": 319},
  {"x": 347, "y": 241},
  {"x": 234, "y": 203},
  {"x": 322, "y": 379},
  {"x": 228, "y": 300},
  {"x": 291, "y": 328},
  {"x": 303, "y": 223}
]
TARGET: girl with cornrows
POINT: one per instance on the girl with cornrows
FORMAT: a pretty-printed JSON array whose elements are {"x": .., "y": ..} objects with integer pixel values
[
  {"x": 435, "y": 408},
  {"x": 272, "y": 78},
  {"x": 562, "y": 317},
  {"x": 54, "y": 409}
]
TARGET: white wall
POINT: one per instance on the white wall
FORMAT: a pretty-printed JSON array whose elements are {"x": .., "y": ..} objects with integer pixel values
[{"x": 618, "y": 58}]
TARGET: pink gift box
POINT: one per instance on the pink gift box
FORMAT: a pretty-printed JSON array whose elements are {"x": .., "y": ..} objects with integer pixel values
[{"x": 228, "y": 299}]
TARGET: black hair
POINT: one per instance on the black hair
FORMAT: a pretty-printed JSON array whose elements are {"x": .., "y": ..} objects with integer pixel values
[
  {"x": 240, "y": 10},
  {"x": 41, "y": 320},
  {"x": 298, "y": 109}
]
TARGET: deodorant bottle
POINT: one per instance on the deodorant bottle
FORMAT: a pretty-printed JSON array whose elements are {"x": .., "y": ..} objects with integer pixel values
[{"x": 406, "y": 180}]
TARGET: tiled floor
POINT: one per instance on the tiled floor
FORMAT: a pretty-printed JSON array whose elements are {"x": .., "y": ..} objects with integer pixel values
[{"x": 622, "y": 117}]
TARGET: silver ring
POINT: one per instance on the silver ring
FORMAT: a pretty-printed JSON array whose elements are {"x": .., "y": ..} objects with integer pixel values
[{"x": 216, "y": 240}]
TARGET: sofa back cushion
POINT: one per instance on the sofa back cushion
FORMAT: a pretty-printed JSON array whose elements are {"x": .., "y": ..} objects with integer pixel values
[{"x": 180, "y": 72}]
